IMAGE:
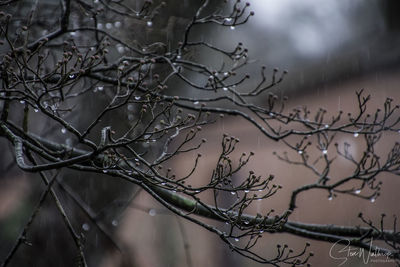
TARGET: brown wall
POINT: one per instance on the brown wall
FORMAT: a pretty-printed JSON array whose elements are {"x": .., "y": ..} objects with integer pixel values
[{"x": 156, "y": 241}]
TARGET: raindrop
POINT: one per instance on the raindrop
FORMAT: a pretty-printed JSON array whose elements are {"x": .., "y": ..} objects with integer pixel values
[
  {"x": 117, "y": 24},
  {"x": 22, "y": 101},
  {"x": 355, "y": 134},
  {"x": 246, "y": 222},
  {"x": 326, "y": 126},
  {"x": 300, "y": 152},
  {"x": 71, "y": 76},
  {"x": 228, "y": 19},
  {"x": 324, "y": 151},
  {"x": 72, "y": 33},
  {"x": 105, "y": 171},
  {"x": 372, "y": 199},
  {"x": 196, "y": 102},
  {"x": 99, "y": 26},
  {"x": 130, "y": 107},
  {"x": 232, "y": 27},
  {"x": 149, "y": 23},
  {"x": 237, "y": 239},
  {"x": 330, "y": 197},
  {"x": 225, "y": 88},
  {"x": 68, "y": 142},
  {"x": 152, "y": 212},
  {"x": 114, "y": 222},
  {"x": 120, "y": 48},
  {"x": 100, "y": 88},
  {"x": 86, "y": 227},
  {"x": 226, "y": 74},
  {"x": 178, "y": 57},
  {"x": 63, "y": 130},
  {"x": 108, "y": 25},
  {"x": 358, "y": 191},
  {"x": 36, "y": 110},
  {"x": 163, "y": 183},
  {"x": 233, "y": 193},
  {"x": 95, "y": 1},
  {"x": 246, "y": 191},
  {"x": 261, "y": 231},
  {"x": 137, "y": 97}
]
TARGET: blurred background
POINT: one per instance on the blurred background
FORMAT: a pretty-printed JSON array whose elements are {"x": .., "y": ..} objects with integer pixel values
[{"x": 330, "y": 48}]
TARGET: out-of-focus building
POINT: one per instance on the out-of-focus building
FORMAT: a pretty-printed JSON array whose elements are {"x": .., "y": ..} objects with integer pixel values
[{"x": 331, "y": 50}]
